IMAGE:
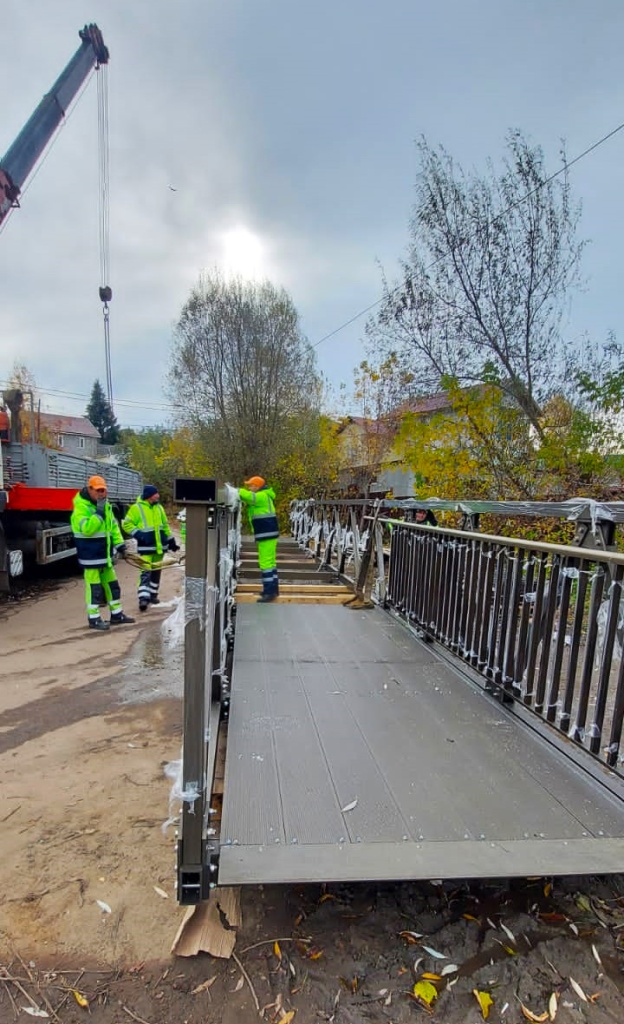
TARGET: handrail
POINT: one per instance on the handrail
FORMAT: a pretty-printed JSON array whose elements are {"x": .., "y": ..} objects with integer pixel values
[
  {"x": 541, "y": 623},
  {"x": 212, "y": 550}
]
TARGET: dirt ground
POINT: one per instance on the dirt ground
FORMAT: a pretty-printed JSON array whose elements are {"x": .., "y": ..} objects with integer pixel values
[{"x": 87, "y": 724}]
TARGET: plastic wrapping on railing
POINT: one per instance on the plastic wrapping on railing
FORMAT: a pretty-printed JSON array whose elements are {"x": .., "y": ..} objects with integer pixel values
[
  {"x": 232, "y": 497},
  {"x": 601, "y": 622},
  {"x": 226, "y": 566},
  {"x": 172, "y": 628},
  {"x": 178, "y": 794},
  {"x": 194, "y": 600}
]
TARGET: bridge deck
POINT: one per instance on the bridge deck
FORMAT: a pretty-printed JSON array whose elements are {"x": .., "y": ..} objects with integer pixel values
[{"x": 332, "y": 706}]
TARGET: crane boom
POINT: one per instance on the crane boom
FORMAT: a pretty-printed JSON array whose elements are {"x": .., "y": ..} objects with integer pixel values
[{"x": 23, "y": 155}]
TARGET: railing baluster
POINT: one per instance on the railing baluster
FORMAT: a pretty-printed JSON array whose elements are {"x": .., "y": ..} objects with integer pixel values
[
  {"x": 546, "y": 630},
  {"x": 597, "y": 588},
  {"x": 615, "y": 595},
  {"x": 564, "y": 607},
  {"x": 534, "y": 630}
]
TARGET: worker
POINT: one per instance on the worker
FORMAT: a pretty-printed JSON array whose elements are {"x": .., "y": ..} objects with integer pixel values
[
  {"x": 98, "y": 541},
  {"x": 5, "y": 426},
  {"x": 260, "y": 502},
  {"x": 146, "y": 521}
]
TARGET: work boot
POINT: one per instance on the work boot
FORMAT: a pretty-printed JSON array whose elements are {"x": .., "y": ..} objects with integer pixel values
[
  {"x": 143, "y": 606},
  {"x": 154, "y": 599},
  {"x": 98, "y": 624},
  {"x": 121, "y": 619},
  {"x": 265, "y": 597}
]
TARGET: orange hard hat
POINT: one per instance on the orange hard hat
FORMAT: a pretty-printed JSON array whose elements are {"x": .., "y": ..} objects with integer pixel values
[
  {"x": 98, "y": 483},
  {"x": 255, "y": 481}
]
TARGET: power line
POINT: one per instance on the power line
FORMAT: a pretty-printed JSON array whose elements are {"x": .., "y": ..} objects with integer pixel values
[
  {"x": 566, "y": 167},
  {"x": 77, "y": 396}
]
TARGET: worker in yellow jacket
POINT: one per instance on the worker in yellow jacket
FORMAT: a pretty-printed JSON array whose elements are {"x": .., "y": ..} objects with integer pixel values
[
  {"x": 147, "y": 522},
  {"x": 98, "y": 541},
  {"x": 259, "y": 499}
]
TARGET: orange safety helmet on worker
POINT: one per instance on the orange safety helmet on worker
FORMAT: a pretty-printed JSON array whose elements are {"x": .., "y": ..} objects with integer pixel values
[{"x": 260, "y": 502}]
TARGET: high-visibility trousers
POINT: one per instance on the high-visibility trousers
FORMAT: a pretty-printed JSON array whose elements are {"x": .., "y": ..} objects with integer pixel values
[
  {"x": 267, "y": 561},
  {"x": 149, "y": 580},
  {"x": 102, "y": 587}
]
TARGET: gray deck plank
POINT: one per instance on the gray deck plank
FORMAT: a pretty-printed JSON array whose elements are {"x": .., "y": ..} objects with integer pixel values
[
  {"x": 251, "y": 777},
  {"x": 345, "y": 705}
]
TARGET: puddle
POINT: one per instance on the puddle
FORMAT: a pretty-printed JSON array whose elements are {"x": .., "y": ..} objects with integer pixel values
[{"x": 152, "y": 671}]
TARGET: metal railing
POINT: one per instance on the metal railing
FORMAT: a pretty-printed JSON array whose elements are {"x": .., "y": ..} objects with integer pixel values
[
  {"x": 542, "y": 624},
  {"x": 212, "y": 548}
]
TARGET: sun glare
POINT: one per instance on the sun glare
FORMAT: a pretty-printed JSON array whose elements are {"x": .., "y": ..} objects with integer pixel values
[{"x": 243, "y": 254}]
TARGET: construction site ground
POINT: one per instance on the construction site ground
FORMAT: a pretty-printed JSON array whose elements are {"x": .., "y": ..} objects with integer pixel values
[{"x": 88, "y": 913}]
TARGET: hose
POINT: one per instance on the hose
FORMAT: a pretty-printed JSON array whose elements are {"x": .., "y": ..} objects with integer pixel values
[{"x": 168, "y": 561}]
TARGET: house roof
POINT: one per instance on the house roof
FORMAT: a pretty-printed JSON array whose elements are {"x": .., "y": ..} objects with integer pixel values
[
  {"x": 428, "y": 403},
  {"x": 58, "y": 424}
]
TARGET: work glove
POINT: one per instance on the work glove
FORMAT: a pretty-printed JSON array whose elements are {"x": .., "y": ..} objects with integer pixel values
[
  {"x": 101, "y": 507},
  {"x": 173, "y": 544}
]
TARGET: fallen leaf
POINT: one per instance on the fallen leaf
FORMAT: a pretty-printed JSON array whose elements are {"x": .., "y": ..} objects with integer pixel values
[
  {"x": 239, "y": 984},
  {"x": 431, "y": 977},
  {"x": 434, "y": 953},
  {"x": 349, "y": 807},
  {"x": 583, "y": 903},
  {"x": 328, "y": 895},
  {"x": 553, "y": 1005},
  {"x": 104, "y": 906},
  {"x": 484, "y": 1000},
  {"x": 286, "y": 1019},
  {"x": 315, "y": 954},
  {"x": 470, "y": 917},
  {"x": 277, "y": 950},
  {"x": 596, "y": 956},
  {"x": 595, "y": 997},
  {"x": 80, "y": 999},
  {"x": 412, "y": 937},
  {"x": 35, "y": 1012},
  {"x": 537, "y": 1018},
  {"x": 388, "y": 999},
  {"x": 449, "y": 969},
  {"x": 350, "y": 985},
  {"x": 383, "y": 992},
  {"x": 579, "y": 991},
  {"x": 426, "y": 992},
  {"x": 205, "y": 985},
  {"x": 161, "y": 892},
  {"x": 573, "y": 928},
  {"x": 548, "y": 889},
  {"x": 508, "y": 932}
]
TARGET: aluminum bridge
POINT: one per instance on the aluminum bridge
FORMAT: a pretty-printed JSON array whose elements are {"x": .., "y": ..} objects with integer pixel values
[{"x": 465, "y": 724}]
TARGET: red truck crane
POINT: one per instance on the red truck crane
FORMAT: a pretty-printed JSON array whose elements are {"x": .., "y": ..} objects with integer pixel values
[{"x": 38, "y": 483}]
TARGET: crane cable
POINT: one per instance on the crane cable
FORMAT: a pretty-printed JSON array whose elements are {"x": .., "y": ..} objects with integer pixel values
[{"x": 105, "y": 291}]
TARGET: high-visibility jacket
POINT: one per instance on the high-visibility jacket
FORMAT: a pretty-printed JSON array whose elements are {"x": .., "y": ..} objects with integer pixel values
[
  {"x": 261, "y": 512},
  {"x": 95, "y": 535},
  {"x": 148, "y": 525}
]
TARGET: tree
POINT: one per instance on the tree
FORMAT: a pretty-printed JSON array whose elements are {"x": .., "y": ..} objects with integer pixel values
[
  {"x": 242, "y": 372},
  {"x": 102, "y": 416},
  {"x": 483, "y": 446},
  {"x": 491, "y": 261}
]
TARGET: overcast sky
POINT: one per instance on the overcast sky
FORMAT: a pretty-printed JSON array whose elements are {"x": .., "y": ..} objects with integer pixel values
[{"x": 287, "y": 130}]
